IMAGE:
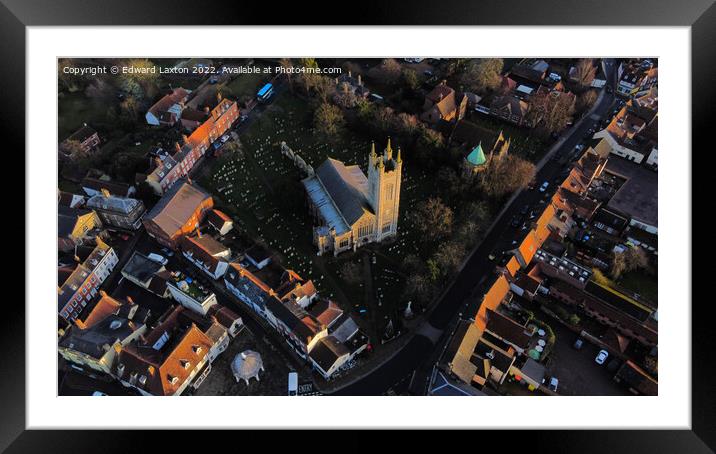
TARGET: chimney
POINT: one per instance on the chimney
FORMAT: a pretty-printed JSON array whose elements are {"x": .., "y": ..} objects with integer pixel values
[
  {"x": 130, "y": 300},
  {"x": 206, "y": 110}
]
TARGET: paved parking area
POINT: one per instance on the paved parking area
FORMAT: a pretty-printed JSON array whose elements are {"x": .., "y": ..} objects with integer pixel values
[{"x": 576, "y": 370}]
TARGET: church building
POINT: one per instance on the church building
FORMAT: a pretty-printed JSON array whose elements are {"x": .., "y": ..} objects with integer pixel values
[
  {"x": 477, "y": 161},
  {"x": 350, "y": 209}
]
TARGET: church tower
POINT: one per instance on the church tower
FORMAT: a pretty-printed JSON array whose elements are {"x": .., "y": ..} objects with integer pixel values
[{"x": 384, "y": 176}]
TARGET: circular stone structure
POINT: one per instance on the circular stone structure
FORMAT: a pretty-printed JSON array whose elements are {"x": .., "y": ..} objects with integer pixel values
[{"x": 247, "y": 365}]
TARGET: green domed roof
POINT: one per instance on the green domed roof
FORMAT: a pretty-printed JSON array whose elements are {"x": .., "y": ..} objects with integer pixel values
[{"x": 477, "y": 156}]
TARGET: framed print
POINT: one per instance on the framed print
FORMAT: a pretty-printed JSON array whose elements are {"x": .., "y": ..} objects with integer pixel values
[{"x": 443, "y": 217}]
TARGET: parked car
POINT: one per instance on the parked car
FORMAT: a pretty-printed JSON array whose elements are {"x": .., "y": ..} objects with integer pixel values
[
  {"x": 158, "y": 258},
  {"x": 601, "y": 356},
  {"x": 553, "y": 384},
  {"x": 544, "y": 186},
  {"x": 578, "y": 344},
  {"x": 99, "y": 393}
]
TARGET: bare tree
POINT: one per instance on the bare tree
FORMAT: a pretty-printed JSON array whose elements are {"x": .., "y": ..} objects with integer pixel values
[
  {"x": 506, "y": 176},
  {"x": 584, "y": 72}
]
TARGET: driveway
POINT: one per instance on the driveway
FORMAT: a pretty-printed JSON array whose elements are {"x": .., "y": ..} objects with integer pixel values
[{"x": 576, "y": 370}]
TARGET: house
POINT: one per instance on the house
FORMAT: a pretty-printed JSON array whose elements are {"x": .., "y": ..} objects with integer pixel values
[
  {"x": 178, "y": 213},
  {"x": 70, "y": 200},
  {"x": 348, "y": 89},
  {"x": 351, "y": 210},
  {"x": 193, "y": 118},
  {"x": 249, "y": 289},
  {"x": 173, "y": 355},
  {"x": 206, "y": 253},
  {"x": 563, "y": 268},
  {"x": 612, "y": 309},
  {"x": 298, "y": 327},
  {"x": 633, "y": 133},
  {"x": 636, "y": 76},
  {"x": 442, "y": 104},
  {"x": 226, "y": 318},
  {"x": 83, "y": 283},
  {"x": 441, "y": 385},
  {"x": 109, "y": 327},
  {"x": 146, "y": 273},
  {"x": 258, "y": 256},
  {"x": 507, "y": 330},
  {"x": 74, "y": 225},
  {"x": 190, "y": 294},
  {"x": 509, "y": 108},
  {"x": 328, "y": 356},
  {"x": 302, "y": 295},
  {"x": 168, "y": 109},
  {"x": 86, "y": 137},
  {"x": 171, "y": 168},
  {"x": 96, "y": 185},
  {"x": 637, "y": 197},
  {"x": 326, "y": 312},
  {"x": 220, "y": 221},
  {"x": 120, "y": 212},
  {"x": 638, "y": 381}
]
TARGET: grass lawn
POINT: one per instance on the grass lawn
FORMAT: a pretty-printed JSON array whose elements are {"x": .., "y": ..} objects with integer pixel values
[
  {"x": 74, "y": 109},
  {"x": 641, "y": 282},
  {"x": 523, "y": 142},
  {"x": 247, "y": 84}
]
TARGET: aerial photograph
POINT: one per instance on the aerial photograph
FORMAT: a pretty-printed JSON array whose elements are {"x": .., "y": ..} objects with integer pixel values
[{"x": 391, "y": 226}]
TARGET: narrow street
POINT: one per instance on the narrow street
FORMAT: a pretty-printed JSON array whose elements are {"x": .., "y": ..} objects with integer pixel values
[{"x": 420, "y": 354}]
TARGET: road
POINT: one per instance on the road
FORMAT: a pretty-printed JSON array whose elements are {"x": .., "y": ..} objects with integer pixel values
[{"x": 420, "y": 353}]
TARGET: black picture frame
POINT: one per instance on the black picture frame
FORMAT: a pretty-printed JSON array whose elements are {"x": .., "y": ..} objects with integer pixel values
[{"x": 16, "y": 15}]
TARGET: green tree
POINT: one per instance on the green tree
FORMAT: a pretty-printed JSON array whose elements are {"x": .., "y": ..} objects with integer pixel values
[
  {"x": 484, "y": 75},
  {"x": 328, "y": 121},
  {"x": 631, "y": 259},
  {"x": 433, "y": 218},
  {"x": 410, "y": 79}
]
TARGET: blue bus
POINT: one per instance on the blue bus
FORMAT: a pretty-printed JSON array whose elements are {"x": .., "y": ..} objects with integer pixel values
[{"x": 265, "y": 93}]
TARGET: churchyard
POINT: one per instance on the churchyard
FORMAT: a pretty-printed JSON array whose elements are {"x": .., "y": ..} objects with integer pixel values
[{"x": 262, "y": 191}]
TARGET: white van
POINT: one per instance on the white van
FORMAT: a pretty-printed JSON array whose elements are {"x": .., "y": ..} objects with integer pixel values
[{"x": 292, "y": 384}]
